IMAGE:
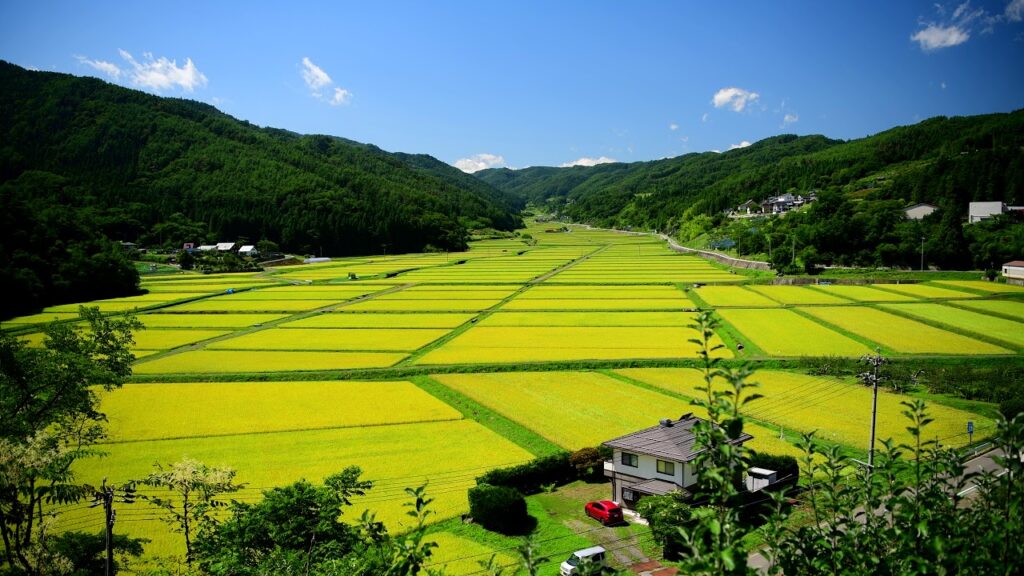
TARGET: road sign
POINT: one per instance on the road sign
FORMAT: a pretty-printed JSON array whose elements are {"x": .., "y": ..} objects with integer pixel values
[{"x": 970, "y": 427}]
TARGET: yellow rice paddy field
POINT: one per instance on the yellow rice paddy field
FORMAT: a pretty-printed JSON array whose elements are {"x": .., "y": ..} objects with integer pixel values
[{"x": 441, "y": 366}]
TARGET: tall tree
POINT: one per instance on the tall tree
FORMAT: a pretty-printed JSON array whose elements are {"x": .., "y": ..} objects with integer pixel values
[{"x": 49, "y": 418}]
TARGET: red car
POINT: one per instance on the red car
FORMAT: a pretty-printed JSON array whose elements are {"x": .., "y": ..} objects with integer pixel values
[{"x": 604, "y": 511}]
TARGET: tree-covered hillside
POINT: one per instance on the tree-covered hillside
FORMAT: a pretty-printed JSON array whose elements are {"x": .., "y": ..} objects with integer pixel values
[
  {"x": 140, "y": 159},
  {"x": 84, "y": 163},
  {"x": 866, "y": 183}
]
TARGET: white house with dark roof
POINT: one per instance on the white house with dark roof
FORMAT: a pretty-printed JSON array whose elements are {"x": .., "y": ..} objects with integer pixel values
[
  {"x": 1014, "y": 269},
  {"x": 654, "y": 461}
]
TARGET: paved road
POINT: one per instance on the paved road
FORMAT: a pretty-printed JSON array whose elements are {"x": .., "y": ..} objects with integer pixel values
[{"x": 980, "y": 463}]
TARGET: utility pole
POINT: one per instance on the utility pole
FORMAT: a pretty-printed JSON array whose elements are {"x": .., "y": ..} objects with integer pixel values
[
  {"x": 106, "y": 496},
  {"x": 793, "y": 261},
  {"x": 769, "y": 237},
  {"x": 872, "y": 378},
  {"x": 922, "y": 253}
]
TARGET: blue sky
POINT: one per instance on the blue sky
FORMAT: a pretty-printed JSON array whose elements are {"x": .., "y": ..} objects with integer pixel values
[{"x": 529, "y": 83}]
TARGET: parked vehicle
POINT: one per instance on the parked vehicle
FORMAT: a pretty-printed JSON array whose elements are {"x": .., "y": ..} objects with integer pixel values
[
  {"x": 594, "y": 555},
  {"x": 604, "y": 511}
]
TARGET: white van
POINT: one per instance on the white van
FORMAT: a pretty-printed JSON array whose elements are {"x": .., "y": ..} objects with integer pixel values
[{"x": 594, "y": 555}]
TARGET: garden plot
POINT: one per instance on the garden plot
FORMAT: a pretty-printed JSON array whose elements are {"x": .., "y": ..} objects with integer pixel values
[
  {"x": 381, "y": 320},
  {"x": 783, "y": 332},
  {"x": 679, "y": 303},
  {"x": 165, "y": 339},
  {"x": 231, "y": 361},
  {"x": 157, "y": 320},
  {"x": 925, "y": 291},
  {"x": 457, "y": 555},
  {"x": 228, "y": 303},
  {"x": 198, "y": 409},
  {"x": 838, "y": 410},
  {"x": 959, "y": 319},
  {"x": 993, "y": 287},
  {"x": 580, "y": 409},
  {"x": 651, "y": 319},
  {"x": 560, "y": 292},
  {"x": 864, "y": 293},
  {"x": 285, "y": 338},
  {"x": 900, "y": 334},
  {"x": 798, "y": 295},
  {"x": 1012, "y": 308},
  {"x": 717, "y": 296},
  {"x": 336, "y": 293},
  {"x": 391, "y": 305},
  {"x": 493, "y": 344},
  {"x": 397, "y": 456}
]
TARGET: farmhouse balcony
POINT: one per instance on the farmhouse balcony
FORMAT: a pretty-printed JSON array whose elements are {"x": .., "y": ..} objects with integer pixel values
[{"x": 609, "y": 468}]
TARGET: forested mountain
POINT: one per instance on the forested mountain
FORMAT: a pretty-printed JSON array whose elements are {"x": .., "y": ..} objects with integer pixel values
[
  {"x": 84, "y": 162},
  {"x": 865, "y": 183},
  {"x": 141, "y": 158}
]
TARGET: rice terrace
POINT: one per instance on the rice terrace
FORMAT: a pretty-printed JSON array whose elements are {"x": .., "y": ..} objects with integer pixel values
[
  {"x": 427, "y": 368},
  {"x": 572, "y": 288}
]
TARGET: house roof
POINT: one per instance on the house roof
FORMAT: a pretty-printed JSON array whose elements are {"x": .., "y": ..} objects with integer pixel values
[
  {"x": 222, "y": 246},
  {"x": 1016, "y": 263},
  {"x": 922, "y": 205},
  {"x": 674, "y": 441},
  {"x": 656, "y": 487},
  {"x": 247, "y": 248}
]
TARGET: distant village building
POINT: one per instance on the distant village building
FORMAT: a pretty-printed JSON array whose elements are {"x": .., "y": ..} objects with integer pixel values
[
  {"x": 978, "y": 211},
  {"x": 749, "y": 207},
  {"x": 1014, "y": 270},
  {"x": 207, "y": 247},
  {"x": 225, "y": 246},
  {"x": 248, "y": 250},
  {"x": 774, "y": 204},
  {"x": 919, "y": 211}
]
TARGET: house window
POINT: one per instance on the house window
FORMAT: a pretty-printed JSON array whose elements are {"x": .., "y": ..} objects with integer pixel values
[
  {"x": 629, "y": 459},
  {"x": 666, "y": 468},
  {"x": 628, "y": 495}
]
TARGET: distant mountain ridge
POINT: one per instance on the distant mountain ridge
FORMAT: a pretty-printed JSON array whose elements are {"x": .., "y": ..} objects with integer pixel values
[{"x": 939, "y": 160}]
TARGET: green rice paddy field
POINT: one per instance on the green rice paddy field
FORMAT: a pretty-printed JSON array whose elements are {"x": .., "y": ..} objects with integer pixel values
[{"x": 441, "y": 366}]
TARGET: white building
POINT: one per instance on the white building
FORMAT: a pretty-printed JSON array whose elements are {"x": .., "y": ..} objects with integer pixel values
[
  {"x": 978, "y": 211},
  {"x": 225, "y": 246},
  {"x": 248, "y": 250},
  {"x": 919, "y": 211},
  {"x": 1014, "y": 269},
  {"x": 655, "y": 461}
]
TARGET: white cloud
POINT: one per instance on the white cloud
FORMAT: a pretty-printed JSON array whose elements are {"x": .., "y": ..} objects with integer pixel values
[
  {"x": 790, "y": 118},
  {"x": 479, "y": 162},
  {"x": 314, "y": 75},
  {"x": 317, "y": 80},
  {"x": 341, "y": 96},
  {"x": 109, "y": 68},
  {"x": 942, "y": 85},
  {"x": 742, "y": 144},
  {"x": 588, "y": 162},
  {"x": 961, "y": 24},
  {"x": 935, "y": 37},
  {"x": 704, "y": 117},
  {"x": 162, "y": 74},
  {"x": 673, "y": 126},
  {"x": 1015, "y": 11},
  {"x": 735, "y": 98}
]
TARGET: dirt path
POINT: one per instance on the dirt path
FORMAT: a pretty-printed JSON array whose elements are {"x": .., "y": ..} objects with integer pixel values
[{"x": 626, "y": 552}]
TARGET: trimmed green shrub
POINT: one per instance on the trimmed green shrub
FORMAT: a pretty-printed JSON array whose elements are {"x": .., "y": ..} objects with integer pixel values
[{"x": 499, "y": 508}]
